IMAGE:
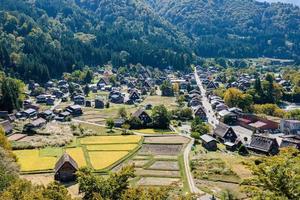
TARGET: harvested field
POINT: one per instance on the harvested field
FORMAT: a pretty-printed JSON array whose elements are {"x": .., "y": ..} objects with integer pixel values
[
  {"x": 155, "y": 131},
  {"x": 138, "y": 157},
  {"x": 160, "y": 149},
  {"x": 159, "y": 173},
  {"x": 167, "y": 140},
  {"x": 16, "y": 137},
  {"x": 109, "y": 147},
  {"x": 30, "y": 160},
  {"x": 102, "y": 159},
  {"x": 77, "y": 155},
  {"x": 153, "y": 181},
  {"x": 138, "y": 163},
  {"x": 165, "y": 165},
  {"x": 111, "y": 139},
  {"x": 165, "y": 157}
]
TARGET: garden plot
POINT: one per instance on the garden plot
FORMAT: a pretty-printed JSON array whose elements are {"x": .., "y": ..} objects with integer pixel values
[
  {"x": 154, "y": 181},
  {"x": 160, "y": 149},
  {"x": 157, "y": 173},
  {"x": 165, "y": 165},
  {"x": 167, "y": 140}
]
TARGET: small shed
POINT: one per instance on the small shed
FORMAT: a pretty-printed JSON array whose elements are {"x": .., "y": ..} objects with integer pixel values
[
  {"x": 208, "y": 142},
  {"x": 65, "y": 169}
]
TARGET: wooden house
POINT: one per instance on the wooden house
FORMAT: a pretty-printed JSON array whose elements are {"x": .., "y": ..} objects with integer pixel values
[
  {"x": 199, "y": 111},
  {"x": 134, "y": 95},
  {"x": 99, "y": 103},
  {"x": 143, "y": 116},
  {"x": 7, "y": 126},
  {"x": 74, "y": 110},
  {"x": 264, "y": 144},
  {"x": 65, "y": 169},
  {"x": 225, "y": 133},
  {"x": 208, "y": 142}
]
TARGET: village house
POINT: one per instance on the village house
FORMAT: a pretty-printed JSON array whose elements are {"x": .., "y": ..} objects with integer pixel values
[
  {"x": 63, "y": 116},
  {"x": 34, "y": 125},
  {"x": 88, "y": 103},
  {"x": 199, "y": 111},
  {"x": 264, "y": 144},
  {"x": 7, "y": 126},
  {"x": 119, "y": 122},
  {"x": 224, "y": 133},
  {"x": 290, "y": 126},
  {"x": 290, "y": 141},
  {"x": 143, "y": 116},
  {"x": 29, "y": 113},
  {"x": 99, "y": 103},
  {"x": 79, "y": 100},
  {"x": 47, "y": 115},
  {"x": 257, "y": 124},
  {"x": 208, "y": 142},
  {"x": 74, "y": 110},
  {"x": 117, "y": 98},
  {"x": 134, "y": 95},
  {"x": 104, "y": 81},
  {"x": 65, "y": 169}
]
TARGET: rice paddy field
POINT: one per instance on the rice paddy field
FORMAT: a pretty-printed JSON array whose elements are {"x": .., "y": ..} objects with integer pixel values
[{"x": 97, "y": 152}]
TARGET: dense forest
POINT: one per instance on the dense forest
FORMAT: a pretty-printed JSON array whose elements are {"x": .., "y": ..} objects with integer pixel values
[
  {"x": 236, "y": 28},
  {"x": 41, "y": 39}
]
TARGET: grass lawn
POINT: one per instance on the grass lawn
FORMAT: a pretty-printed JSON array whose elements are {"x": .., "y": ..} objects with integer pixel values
[
  {"x": 169, "y": 102},
  {"x": 111, "y": 139},
  {"x": 103, "y": 159},
  {"x": 30, "y": 160},
  {"x": 77, "y": 155},
  {"x": 110, "y": 147},
  {"x": 154, "y": 131}
]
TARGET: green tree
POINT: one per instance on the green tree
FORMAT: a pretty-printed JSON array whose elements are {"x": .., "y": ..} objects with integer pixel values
[
  {"x": 88, "y": 77},
  {"x": 110, "y": 124},
  {"x": 86, "y": 90},
  {"x": 12, "y": 94},
  {"x": 199, "y": 126},
  {"x": 161, "y": 117},
  {"x": 167, "y": 89},
  {"x": 276, "y": 177},
  {"x": 122, "y": 113}
]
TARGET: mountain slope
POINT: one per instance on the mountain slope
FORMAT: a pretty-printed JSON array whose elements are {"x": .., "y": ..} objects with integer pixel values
[
  {"x": 42, "y": 39},
  {"x": 236, "y": 28}
]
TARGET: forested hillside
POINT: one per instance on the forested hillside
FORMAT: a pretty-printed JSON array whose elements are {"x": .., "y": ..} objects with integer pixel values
[
  {"x": 42, "y": 39},
  {"x": 236, "y": 28}
]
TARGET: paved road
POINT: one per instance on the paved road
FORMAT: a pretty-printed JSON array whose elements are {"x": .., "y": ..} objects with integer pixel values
[{"x": 212, "y": 119}]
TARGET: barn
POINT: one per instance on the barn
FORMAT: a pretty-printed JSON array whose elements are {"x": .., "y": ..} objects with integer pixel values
[{"x": 65, "y": 169}]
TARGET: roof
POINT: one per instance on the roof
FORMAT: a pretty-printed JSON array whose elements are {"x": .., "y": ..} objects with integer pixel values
[
  {"x": 30, "y": 110},
  {"x": 207, "y": 138},
  {"x": 257, "y": 124},
  {"x": 224, "y": 113},
  {"x": 221, "y": 129},
  {"x": 7, "y": 126},
  {"x": 75, "y": 107},
  {"x": 63, "y": 159},
  {"x": 38, "y": 122},
  {"x": 139, "y": 112},
  {"x": 262, "y": 143}
]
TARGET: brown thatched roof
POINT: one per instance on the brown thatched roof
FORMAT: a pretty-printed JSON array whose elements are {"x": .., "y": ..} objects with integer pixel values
[{"x": 65, "y": 158}]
